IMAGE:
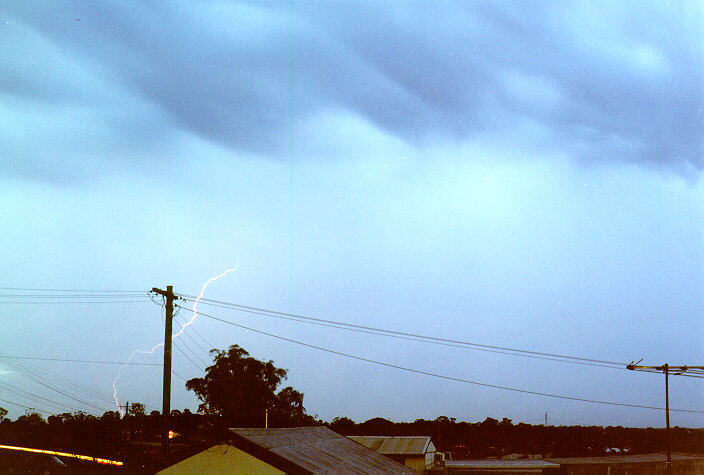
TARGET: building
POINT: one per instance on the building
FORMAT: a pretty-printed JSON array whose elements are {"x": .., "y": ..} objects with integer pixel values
[
  {"x": 298, "y": 450},
  {"x": 501, "y": 466},
  {"x": 416, "y": 452}
]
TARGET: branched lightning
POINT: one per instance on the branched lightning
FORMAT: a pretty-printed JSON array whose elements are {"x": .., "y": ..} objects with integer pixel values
[
  {"x": 180, "y": 332},
  {"x": 200, "y": 296}
]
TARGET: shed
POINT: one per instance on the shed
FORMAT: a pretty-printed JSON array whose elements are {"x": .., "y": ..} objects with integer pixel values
[
  {"x": 299, "y": 450},
  {"x": 416, "y": 452}
]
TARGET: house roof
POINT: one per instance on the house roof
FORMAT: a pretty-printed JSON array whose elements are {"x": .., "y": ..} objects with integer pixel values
[
  {"x": 396, "y": 445},
  {"x": 313, "y": 450}
]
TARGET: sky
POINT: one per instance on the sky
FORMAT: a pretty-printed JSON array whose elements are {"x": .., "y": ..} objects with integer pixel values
[{"x": 512, "y": 174}]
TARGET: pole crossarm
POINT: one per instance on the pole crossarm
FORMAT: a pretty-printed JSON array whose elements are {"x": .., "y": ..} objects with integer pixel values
[
  {"x": 667, "y": 370},
  {"x": 674, "y": 370},
  {"x": 165, "y": 293}
]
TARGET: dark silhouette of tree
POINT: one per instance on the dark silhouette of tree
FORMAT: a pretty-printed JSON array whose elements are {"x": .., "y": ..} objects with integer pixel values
[
  {"x": 239, "y": 390},
  {"x": 342, "y": 425},
  {"x": 378, "y": 426},
  {"x": 3, "y": 413},
  {"x": 136, "y": 409}
]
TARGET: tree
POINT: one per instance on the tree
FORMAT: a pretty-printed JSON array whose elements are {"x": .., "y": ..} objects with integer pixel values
[
  {"x": 136, "y": 409},
  {"x": 3, "y": 413},
  {"x": 240, "y": 390}
]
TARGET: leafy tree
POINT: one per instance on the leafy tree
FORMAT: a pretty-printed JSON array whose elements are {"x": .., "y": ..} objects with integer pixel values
[
  {"x": 3, "y": 413},
  {"x": 136, "y": 409},
  {"x": 241, "y": 389},
  {"x": 342, "y": 425}
]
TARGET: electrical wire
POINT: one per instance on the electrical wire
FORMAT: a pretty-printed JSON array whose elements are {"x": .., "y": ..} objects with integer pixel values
[
  {"x": 11, "y": 296},
  {"x": 188, "y": 347},
  {"x": 440, "y": 376},
  {"x": 74, "y": 290},
  {"x": 77, "y": 392},
  {"x": 198, "y": 367},
  {"x": 72, "y": 302},
  {"x": 52, "y": 376},
  {"x": 64, "y": 393},
  {"x": 27, "y": 394},
  {"x": 43, "y": 411},
  {"x": 411, "y": 336},
  {"x": 187, "y": 335},
  {"x": 179, "y": 376},
  {"x": 81, "y": 361}
]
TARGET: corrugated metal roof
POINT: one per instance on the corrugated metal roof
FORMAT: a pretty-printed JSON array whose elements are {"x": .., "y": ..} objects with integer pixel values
[
  {"x": 395, "y": 445},
  {"x": 319, "y": 450}
]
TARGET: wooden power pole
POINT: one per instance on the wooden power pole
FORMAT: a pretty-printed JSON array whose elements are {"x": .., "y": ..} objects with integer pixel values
[
  {"x": 169, "y": 297},
  {"x": 667, "y": 370}
]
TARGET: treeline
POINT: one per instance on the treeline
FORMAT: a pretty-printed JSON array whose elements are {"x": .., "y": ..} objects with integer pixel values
[
  {"x": 493, "y": 438},
  {"x": 134, "y": 438}
]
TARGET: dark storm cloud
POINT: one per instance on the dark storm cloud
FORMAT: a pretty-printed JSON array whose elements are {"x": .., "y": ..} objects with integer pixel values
[{"x": 603, "y": 82}]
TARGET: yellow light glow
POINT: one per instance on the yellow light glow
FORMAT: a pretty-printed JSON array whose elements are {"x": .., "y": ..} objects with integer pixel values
[{"x": 63, "y": 454}]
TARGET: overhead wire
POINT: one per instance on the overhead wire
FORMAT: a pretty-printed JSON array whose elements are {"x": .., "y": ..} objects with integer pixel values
[
  {"x": 70, "y": 302},
  {"x": 57, "y": 378},
  {"x": 73, "y": 390},
  {"x": 11, "y": 296},
  {"x": 30, "y": 395},
  {"x": 185, "y": 355},
  {"x": 188, "y": 335},
  {"x": 30, "y": 408},
  {"x": 440, "y": 376},
  {"x": 411, "y": 336},
  {"x": 81, "y": 361},
  {"x": 74, "y": 290},
  {"x": 186, "y": 345},
  {"x": 52, "y": 387}
]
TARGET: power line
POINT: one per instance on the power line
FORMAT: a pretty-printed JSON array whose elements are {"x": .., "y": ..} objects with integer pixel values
[
  {"x": 81, "y": 361},
  {"x": 64, "y": 393},
  {"x": 436, "y": 375},
  {"x": 69, "y": 302},
  {"x": 178, "y": 376},
  {"x": 27, "y": 407},
  {"x": 193, "y": 339},
  {"x": 199, "y": 367},
  {"x": 412, "y": 336},
  {"x": 71, "y": 296},
  {"x": 27, "y": 394},
  {"x": 56, "y": 378},
  {"x": 192, "y": 351},
  {"x": 52, "y": 381},
  {"x": 75, "y": 290}
]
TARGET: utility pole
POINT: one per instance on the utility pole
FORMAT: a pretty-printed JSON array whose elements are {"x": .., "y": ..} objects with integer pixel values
[
  {"x": 666, "y": 369},
  {"x": 166, "y": 401}
]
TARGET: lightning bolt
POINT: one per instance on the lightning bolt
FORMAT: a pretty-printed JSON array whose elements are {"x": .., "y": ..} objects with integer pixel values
[
  {"x": 200, "y": 296},
  {"x": 180, "y": 332}
]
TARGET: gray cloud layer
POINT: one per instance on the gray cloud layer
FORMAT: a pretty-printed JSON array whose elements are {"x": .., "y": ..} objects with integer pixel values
[{"x": 603, "y": 82}]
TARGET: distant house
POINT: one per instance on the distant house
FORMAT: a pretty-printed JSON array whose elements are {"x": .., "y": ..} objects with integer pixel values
[
  {"x": 416, "y": 452},
  {"x": 299, "y": 450}
]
